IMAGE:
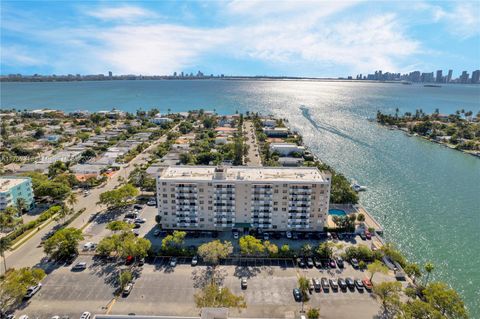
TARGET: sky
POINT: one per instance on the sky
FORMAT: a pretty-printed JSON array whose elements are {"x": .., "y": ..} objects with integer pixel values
[{"x": 276, "y": 38}]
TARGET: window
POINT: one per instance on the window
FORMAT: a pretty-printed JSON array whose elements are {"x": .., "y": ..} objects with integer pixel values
[
  {"x": 284, "y": 209},
  {"x": 201, "y": 202},
  {"x": 275, "y": 209},
  {"x": 172, "y": 195},
  {"x": 276, "y": 191},
  {"x": 200, "y": 190},
  {"x": 202, "y": 219},
  {"x": 165, "y": 201},
  {"x": 164, "y": 195}
]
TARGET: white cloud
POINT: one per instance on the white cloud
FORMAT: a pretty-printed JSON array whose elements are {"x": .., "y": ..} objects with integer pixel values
[
  {"x": 462, "y": 19},
  {"x": 283, "y": 34},
  {"x": 125, "y": 12},
  {"x": 19, "y": 56}
]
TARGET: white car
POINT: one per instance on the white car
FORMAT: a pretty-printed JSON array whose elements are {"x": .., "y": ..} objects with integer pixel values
[
  {"x": 23, "y": 317},
  {"x": 80, "y": 266},
  {"x": 289, "y": 235},
  {"x": 140, "y": 220},
  {"x": 173, "y": 262},
  {"x": 33, "y": 290},
  {"x": 89, "y": 246},
  {"x": 86, "y": 315},
  {"x": 235, "y": 235}
]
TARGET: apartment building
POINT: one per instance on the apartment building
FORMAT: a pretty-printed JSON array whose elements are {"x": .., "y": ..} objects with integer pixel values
[
  {"x": 13, "y": 188},
  {"x": 225, "y": 198}
]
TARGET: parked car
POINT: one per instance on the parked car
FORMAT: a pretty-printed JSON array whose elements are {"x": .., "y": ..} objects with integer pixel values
[
  {"x": 333, "y": 283},
  {"x": 194, "y": 260},
  {"x": 310, "y": 262},
  {"x": 359, "y": 285},
  {"x": 152, "y": 201},
  {"x": 89, "y": 246},
  {"x": 295, "y": 236},
  {"x": 350, "y": 283},
  {"x": 368, "y": 235},
  {"x": 137, "y": 207},
  {"x": 136, "y": 232},
  {"x": 317, "y": 285},
  {"x": 128, "y": 288},
  {"x": 325, "y": 284},
  {"x": 141, "y": 261},
  {"x": 86, "y": 315},
  {"x": 354, "y": 263},
  {"x": 297, "y": 294},
  {"x": 33, "y": 290},
  {"x": 367, "y": 284},
  {"x": 362, "y": 236},
  {"x": 342, "y": 284},
  {"x": 23, "y": 317},
  {"x": 173, "y": 261},
  {"x": 334, "y": 236},
  {"x": 235, "y": 235},
  {"x": 300, "y": 262},
  {"x": 332, "y": 263},
  {"x": 80, "y": 266},
  {"x": 266, "y": 236},
  {"x": 340, "y": 263},
  {"x": 288, "y": 234},
  {"x": 243, "y": 283},
  {"x": 156, "y": 232},
  {"x": 137, "y": 225},
  {"x": 140, "y": 220},
  {"x": 317, "y": 263},
  {"x": 86, "y": 193}
]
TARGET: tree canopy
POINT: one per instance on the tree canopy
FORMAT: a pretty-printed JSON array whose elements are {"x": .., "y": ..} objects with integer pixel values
[
  {"x": 215, "y": 250},
  {"x": 63, "y": 243},
  {"x": 14, "y": 284},
  {"x": 120, "y": 197},
  {"x": 217, "y": 297}
]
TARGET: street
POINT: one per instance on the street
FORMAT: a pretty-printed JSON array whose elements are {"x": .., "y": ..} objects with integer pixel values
[{"x": 253, "y": 156}]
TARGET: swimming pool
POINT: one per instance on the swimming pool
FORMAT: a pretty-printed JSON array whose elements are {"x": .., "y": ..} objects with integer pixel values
[{"x": 337, "y": 212}]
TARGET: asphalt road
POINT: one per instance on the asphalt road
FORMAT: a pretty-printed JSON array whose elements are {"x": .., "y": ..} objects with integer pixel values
[
  {"x": 253, "y": 155},
  {"x": 31, "y": 253}
]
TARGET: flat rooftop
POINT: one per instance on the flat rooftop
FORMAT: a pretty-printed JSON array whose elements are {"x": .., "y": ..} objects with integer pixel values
[
  {"x": 8, "y": 182},
  {"x": 254, "y": 174}
]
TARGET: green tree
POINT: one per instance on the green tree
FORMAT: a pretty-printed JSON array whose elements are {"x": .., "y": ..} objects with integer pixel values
[
  {"x": 119, "y": 225},
  {"x": 429, "y": 267},
  {"x": 218, "y": 297},
  {"x": 445, "y": 300},
  {"x": 63, "y": 243},
  {"x": 215, "y": 250},
  {"x": 21, "y": 205},
  {"x": 376, "y": 267},
  {"x": 270, "y": 248},
  {"x": 325, "y": 250},
  {"x": 250, "y": 245},
  {"x": 413, "y": 271},
  {"x": 389, "y": 294},
  {"x": 57, "y": 168},
  {"x": 9, "y": 218},
  {"x": 14, "y": 284},
  {"x": 5, "y": 245},
  {"x": 303, "y": 285},
  {"x": 417, "y": 309},
  {"x": 361, "y": 217},
  {"x": 124, "y": 278},
  {"x": 313, "y": 313},
  {"x": 72, "y": 200},
  {"x": 173, "y": 243},
  {"x": 120, "y": 197}
]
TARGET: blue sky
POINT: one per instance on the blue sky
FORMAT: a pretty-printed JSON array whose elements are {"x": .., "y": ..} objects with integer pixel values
[{"x": 296, "y": 38}]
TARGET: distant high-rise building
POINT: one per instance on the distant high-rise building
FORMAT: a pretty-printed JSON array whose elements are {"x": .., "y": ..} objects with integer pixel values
[
  {"x": 427, "y": 77},
  {"x": 414, "y": 76},
  {"x": 439, "y": 78},
  {"x": 476, "y": 76},
  {"x": 449, "y": 76},
  {"x": 182, "y": 75},
  {"x": 464, "y": 77},
  {"x": 110, "y": 74},
  {"x": 175, "y": 74}
]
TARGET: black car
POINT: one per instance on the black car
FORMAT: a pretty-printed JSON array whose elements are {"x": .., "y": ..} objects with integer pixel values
[
  {"x": 137, "y": 225},
  {"x": 363, "y": 236},
  {"x": 301, "y": 263},
  {"x": 325, "y": 284},
  {"x": 310, "y": 262},
  {"x": 342, "y": 284},
  {"x": 340, "y": 262},
  {"x": 350, "y": 283},
  {"x": 359, "y": 285},
  {"x": 354, "y": 263},
  {"x": 297, "y": 294}
]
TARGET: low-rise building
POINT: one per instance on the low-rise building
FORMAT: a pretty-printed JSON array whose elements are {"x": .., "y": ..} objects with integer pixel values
[
  {"x": 161, "y": 120},
  {"x": 223, "y": 198},
  {"x": 14, "y": 188},
  {"x": 285, "y": 149},
  {"x": 276, "y": 132}
]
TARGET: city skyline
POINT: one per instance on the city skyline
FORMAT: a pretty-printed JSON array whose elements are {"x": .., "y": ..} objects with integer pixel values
[{"x": 298, "y": 39}]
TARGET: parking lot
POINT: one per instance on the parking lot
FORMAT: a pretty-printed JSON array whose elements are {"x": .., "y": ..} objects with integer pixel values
[{"x": 163, "y": 290}]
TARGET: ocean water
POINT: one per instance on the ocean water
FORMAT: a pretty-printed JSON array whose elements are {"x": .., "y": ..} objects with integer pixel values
[{"x": 426, "y": 196}]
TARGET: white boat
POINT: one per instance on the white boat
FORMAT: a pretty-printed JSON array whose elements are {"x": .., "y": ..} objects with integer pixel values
[{"x": 357, "y": 187}]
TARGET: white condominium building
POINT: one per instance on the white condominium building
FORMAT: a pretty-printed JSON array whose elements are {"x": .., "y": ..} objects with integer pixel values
[{"x": 223, "y": 198}]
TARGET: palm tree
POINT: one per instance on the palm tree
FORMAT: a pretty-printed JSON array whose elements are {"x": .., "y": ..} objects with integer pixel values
[
  {"x": 303, "y": 286},
  {"x": 21, "y": 205},
  {"x": 429, "y": 267},
  {"x": 5, "y": 244},
  {"x": 72, "y": 200}
]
